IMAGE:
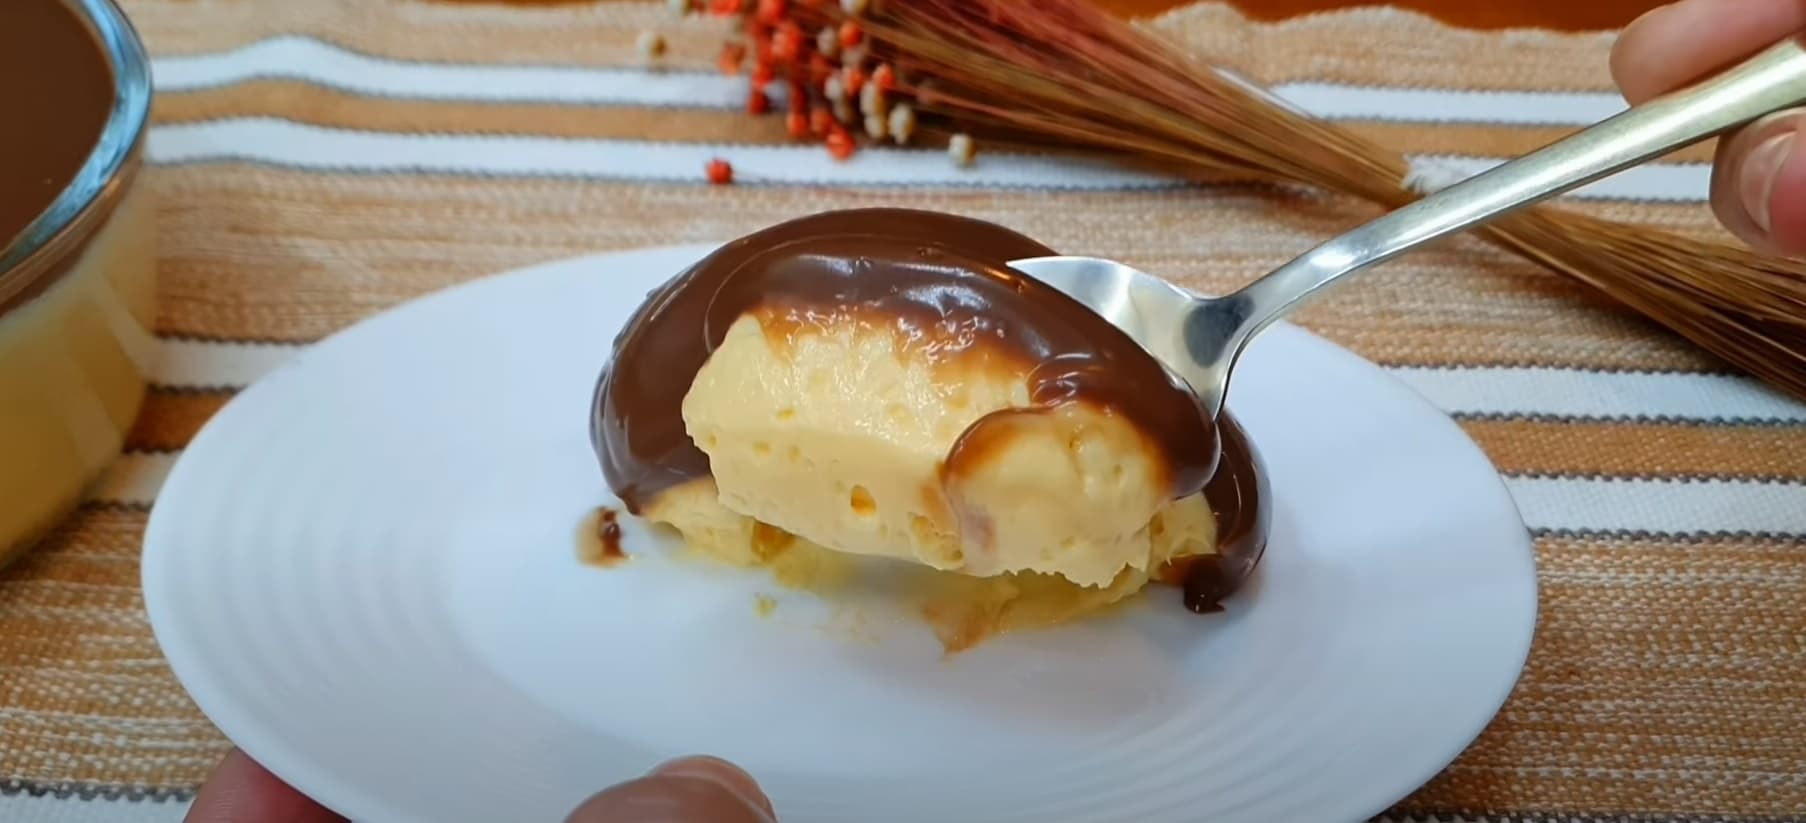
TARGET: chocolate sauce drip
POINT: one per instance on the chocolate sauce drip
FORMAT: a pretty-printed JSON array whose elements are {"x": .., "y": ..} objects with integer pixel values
[
  {"x": 944, "y": 284},
  {"x": 599, "y": 539},
  {"x": 1238, "y": 495},
  {"x": 609, "y": 532}
]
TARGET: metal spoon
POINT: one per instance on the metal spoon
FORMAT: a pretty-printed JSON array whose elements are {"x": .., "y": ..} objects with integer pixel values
[{"x": 1200, "y": 338}]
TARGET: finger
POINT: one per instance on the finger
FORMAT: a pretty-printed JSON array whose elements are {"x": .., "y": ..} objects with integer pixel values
[
  {"x": 1759, "y": 183},
  {"x": 240, "y": 791},
  {"x": 693, "y": 789},
  {"x": 1676, "y": 44},
  {"x": 714, "y": 768}
]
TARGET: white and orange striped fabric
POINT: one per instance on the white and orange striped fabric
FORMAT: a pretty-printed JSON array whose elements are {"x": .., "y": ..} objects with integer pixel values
[{"x": 320, "y": 160}]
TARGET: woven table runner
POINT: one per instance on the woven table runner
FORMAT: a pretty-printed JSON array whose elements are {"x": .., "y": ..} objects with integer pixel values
[{"x": 320, "y": 160}]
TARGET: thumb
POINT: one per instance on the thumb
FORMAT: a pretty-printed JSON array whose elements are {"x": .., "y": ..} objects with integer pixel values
[
  {"x": 1759, "y": 183},
  {"x": 686, "y": 790}
]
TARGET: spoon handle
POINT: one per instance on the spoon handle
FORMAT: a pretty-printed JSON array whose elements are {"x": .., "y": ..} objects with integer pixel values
[{"x": 1770, "y": 81}]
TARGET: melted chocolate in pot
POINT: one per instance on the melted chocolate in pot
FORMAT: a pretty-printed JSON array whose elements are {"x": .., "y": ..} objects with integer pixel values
[
  {"x": 945, "y": 284},
  {"x": 55, "y": 92}
]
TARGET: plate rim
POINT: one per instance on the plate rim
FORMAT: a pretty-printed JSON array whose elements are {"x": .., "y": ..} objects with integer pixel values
[{"x": 160, "y": 606}]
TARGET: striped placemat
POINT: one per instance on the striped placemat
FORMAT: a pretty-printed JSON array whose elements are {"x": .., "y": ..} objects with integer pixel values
[{"x": 318, "y": 161}]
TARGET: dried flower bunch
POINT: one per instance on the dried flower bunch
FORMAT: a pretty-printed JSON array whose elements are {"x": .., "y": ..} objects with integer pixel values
[{"x": 1065, "y": 74}]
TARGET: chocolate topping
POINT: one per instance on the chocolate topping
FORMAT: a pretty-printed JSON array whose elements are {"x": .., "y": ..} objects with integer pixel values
[
  {"x": 55, "y": 90},
  {"x": 1238, "y": 495},
  {"x": 943, "y": 284}
]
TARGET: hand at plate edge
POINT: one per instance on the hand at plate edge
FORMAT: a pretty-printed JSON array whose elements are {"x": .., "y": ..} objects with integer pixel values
[{"x": 686, "y": 789}]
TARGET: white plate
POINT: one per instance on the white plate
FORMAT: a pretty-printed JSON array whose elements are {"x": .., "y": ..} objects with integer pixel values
[{"x": 364, "y": 571}]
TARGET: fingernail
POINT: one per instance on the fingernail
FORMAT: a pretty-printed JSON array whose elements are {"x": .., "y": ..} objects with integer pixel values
[
  {"x": 720, "y": 771},
  {"x": 1756, "y": 180}
]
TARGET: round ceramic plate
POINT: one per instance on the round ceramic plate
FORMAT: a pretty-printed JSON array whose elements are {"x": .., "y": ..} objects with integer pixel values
[{"x": 365, "y": 571}]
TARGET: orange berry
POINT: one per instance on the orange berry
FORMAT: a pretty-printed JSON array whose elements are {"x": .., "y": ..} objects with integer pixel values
[
  {"x": 732, "y": 55},
  {"x": 770, "y": 11},
  {"x": 725, "y": 8},
  {"x": 855, "y": 81},
  {"x": 850, "y": 34},
  {"x": 761, "y": 76},
  {"x": 762, "y": 51},
  {"x": 797, "y": 124},
  {"x": 885, "y": 77},
  {"x": 758, "y": 102},
  {"x": 840, "y": 143},
  {"x": 720, "y": 173},
  {"x": 820, "y": 120},
  {"x": 787, "y": 43},
  {"x": 819, "y": 69}
]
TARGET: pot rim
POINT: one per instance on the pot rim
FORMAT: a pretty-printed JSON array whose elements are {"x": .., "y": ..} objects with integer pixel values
[{"x": 26, "y": 260}]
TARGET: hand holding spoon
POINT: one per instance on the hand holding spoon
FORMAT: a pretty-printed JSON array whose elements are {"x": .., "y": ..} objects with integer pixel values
[{"x": 1200, "y": 338}]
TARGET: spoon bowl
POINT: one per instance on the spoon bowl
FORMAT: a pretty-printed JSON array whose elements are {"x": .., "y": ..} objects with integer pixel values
[{"x": 1160, "y": 316}]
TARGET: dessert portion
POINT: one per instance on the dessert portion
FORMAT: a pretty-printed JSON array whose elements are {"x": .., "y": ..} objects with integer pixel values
[{"x": 880, "y": 382}]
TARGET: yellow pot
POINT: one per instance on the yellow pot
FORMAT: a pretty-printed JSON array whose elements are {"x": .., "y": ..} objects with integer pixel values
[{"x": 77, "y": 256}]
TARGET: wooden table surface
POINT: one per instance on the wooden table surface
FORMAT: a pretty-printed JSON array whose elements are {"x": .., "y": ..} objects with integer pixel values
[
  {"x": 1559, "y": 14},
  {"x": 1556, "y": 14}
]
